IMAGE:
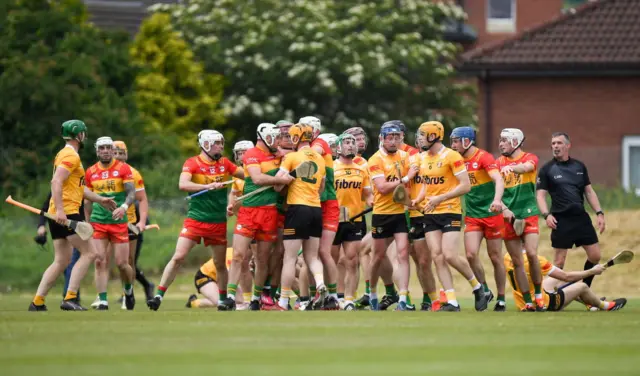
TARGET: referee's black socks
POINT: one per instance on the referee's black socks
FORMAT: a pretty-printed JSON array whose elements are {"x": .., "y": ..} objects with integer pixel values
[{"x": 588, "y": 265}]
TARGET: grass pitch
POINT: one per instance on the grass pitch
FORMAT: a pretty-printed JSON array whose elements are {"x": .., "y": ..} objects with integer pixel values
[{"x": 179, "y": 341}]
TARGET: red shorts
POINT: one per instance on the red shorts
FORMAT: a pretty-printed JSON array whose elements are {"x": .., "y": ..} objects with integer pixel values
[
  {"x": 212, "y": 233},
  {"x": 280, "y": 220},
  {"x": 115, "y": 232},
  {"x": 330, "y": 215},
  {"x": 530, "y": 227},
  {"x": 259, "y": 223},
  {"x": 491, "y": 227}
]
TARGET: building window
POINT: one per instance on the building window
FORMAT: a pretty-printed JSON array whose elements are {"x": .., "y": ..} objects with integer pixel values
[
  {"x": 631, "y": 163},
  {"x": 501, "y": 16}
]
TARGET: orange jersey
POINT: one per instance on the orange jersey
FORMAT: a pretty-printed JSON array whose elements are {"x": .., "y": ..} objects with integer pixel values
[
  {"x": 350, "y": 182},
  {"x": 73, "y": 187},
  {"x": 108, "y": 181},
  {"x": 440, "y": 175},
  {"x": 362, "y": 162},
  {"x": 139, "y": 184},
  {"x": 209, "y": 268},
  {"x": 304, "y": 191},
  {"x": 545, "y": 265},
  {"x": 416, "y": 182},
  {"x": 409, "y": 149},
  {"x": 385, "y": 166}
]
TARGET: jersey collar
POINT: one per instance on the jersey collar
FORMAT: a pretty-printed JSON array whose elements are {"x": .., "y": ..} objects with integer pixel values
[{"x": 113, "y": 162}]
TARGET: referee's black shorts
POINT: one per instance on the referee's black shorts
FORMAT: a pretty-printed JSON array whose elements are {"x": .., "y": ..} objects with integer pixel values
[
  {"x": 573, "y": 230},
  {"x": 60, "y": 231},
  {"x": 302, "y": 222}
]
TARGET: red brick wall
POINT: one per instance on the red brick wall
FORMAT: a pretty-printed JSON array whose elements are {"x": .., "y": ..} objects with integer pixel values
[
  {"x": 529, "y": 13},
  {"x": 595, "y": 112}
]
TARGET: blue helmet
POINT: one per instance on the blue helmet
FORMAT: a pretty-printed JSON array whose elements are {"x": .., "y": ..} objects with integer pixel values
[
  {"x": 390, "y": 127},
  {"x": 464, "y": 132},
  {"x": 397, "y": 123}
]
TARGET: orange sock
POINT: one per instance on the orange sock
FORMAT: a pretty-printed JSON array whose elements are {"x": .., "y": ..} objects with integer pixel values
[
  {"x": 38, "y": 300},
  {"x": 71, "y": 295}
]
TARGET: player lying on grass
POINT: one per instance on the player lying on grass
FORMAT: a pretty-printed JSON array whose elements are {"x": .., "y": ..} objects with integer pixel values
[
  {"x": 555, "y": 297},
  {"x": 206, "y": 282}
]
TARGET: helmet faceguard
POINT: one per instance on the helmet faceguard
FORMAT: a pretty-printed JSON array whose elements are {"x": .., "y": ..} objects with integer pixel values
[
  {"x": 239, "y": 149},
  {"x": 347, "y": 146},
  {"x": 390, "y": 137},
  {"x": 207, "y": 140},
  {"x": 104, "y": 149},
  {"x": 270, "y": 135},
  {"x": 361, "y": 138},
  {"x": 467, "y": 137},
  {"x": 514, "y": 138}
]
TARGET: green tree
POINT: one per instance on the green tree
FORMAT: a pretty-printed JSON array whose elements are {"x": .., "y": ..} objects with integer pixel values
[
  {"x": 54, "y": 67},
  {"x": 173, "y": 92},
  {"x": 346, "y": 61}
]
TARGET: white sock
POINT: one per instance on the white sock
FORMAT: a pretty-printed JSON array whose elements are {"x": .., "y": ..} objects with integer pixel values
[
  {"x": 478, "y": 286},
  {"x": 335, "y": 295},
  {"x": 538, "y": 296},
  {"x": 159, "y": 296},
  {"x": 128, "y": 292},
  {"x": 454, "y": 302},
  {"x": 403, "y": 298},
  {"x": 283, "y": 302},
  {"x": 373, "y": 295},
  {"x": 255, "y": 297}
]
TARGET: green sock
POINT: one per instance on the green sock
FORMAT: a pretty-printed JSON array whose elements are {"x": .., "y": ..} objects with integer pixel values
[
  {"x": 297, "y": 292},
  {"x": 257, "y": 290},
  {"x": 527, "y": 297},
  {"x": 390, "y": 289},
  {"x": 127, "y": 288},
  {"x": 408, "y": 299},
  {"x": 367, "y": 287},
  {"x": 537, "y": 289},
  {"x": 161, "y": 290},
  {"x": 275, "y": 290},
  {"x": 501, "y": 298},
  {"x": 267, "y": 282},
  {"x": 223, "y": 295},
  {"x": 232, "y": 289},
  {"x": 103, "y": 296},
  {"x": 485, "y": 287},
  {"x": 426, "y": 298},
  {"x": 312, "y": 291},
  {"x": 333, "y": 288}
]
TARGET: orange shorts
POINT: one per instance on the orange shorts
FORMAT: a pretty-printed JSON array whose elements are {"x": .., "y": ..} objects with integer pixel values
[
  {"x": 330, "y": 215},
  {"x": 115, "y": 232},
  {"x": 530, "y": 227},
  {"x": 280, "y": 220},
  {"x": 259, "y": 223},
  {"x": 212, "y": 233},
  {"x": 491, "y": 227}
]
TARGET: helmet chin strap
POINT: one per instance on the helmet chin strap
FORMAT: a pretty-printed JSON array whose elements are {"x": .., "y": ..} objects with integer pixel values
[
  {"x": 214, "y": 157},
  {"x": 427, "y": 148},
  {"x": 271, "y": 149},
  {"x": 509, "y": 154}
]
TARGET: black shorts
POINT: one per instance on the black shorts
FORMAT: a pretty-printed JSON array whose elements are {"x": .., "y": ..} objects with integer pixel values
[
  {"x": 348, "y": 232},
  {"x": 302, "y": 222},
  {"x": 132, "y": 235},
  {"x": 445, "y": 222},
  {"x": 556, "y": 300},
  {"x": 573, "y": 230},
  {"x": 385, "y": 225},
  {"x": 200, "y": 280},
  {"x": 60, "y": 231},
  {"x": 416, "y": 228}
]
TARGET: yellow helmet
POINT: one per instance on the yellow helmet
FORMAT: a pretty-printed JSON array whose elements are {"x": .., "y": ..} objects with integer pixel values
[
  {"x": 120, "y": 145},
  {"x": 300, "y": 133},
  {"x": 430, "y": 128}
]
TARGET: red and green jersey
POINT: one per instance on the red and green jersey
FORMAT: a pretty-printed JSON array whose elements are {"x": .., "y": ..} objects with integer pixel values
[
  {"x": 109, "y": 182},
  {"x": 210, "y": 207},
  {"x": 269, "y": 164},
  {"x": 520, "y": 189},
  {"x": 409, "y": 149},
  {"x": 478, "y": 201},
  {"x": 329, "y": 192}
]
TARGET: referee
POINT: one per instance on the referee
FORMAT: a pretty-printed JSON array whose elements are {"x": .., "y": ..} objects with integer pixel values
[{"x": 567, "y": 180}]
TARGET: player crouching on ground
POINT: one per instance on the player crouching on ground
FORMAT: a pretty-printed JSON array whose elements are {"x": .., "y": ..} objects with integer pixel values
[{"x": 557, "y": 297}]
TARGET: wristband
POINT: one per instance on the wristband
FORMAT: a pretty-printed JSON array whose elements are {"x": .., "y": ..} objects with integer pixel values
[
  {"x": 124, "y": 206},
  {"x": 599, "y": 212},
  {"x": 405, "y": 180},
  {"x": 545, "y": 215}
]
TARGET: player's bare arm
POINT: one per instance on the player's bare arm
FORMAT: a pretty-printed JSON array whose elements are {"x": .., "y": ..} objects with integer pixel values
[
  {"x": 239, "y": 173},
  {"x": 130, "y": 190},
  {"x": 106, "y": 202},
  {"x": 520, "y": 168},
  {"x": 496, "y": 205},
  {"x": 541, "y": 199},
  {"x": 185, "y": 184},
  {"x": 592, "y": 199},
  {"x": 463, "y": 187},
  {"x": 565, "y": 276},
  {"x": 143, "y": 207},
  {"x": 59, "y": 177},
  {"x": 260, "y": 178}
]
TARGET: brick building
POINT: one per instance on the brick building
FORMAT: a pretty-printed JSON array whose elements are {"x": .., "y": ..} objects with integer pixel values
[{"x": 579, "y": 73}]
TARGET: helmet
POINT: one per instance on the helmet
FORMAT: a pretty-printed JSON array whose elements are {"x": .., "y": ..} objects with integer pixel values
[
  {"x": 103, "y": 141},
  {"x": 283, "y": 124},
  {"x": 311, "y": 121},
  {"x": 268, "y": 133},
  {"x": 330, "y": 138},
  {"x": 513, "y": 134},
  {"x": 357, "y": 131},
  {"x": 72, "y": 128},
  {"x": 433, "y": 131},
  {"x": 464, "y": 133},
  {"x": 397, "y": 123},
  {"x": 339, "y": 147},
  {"x": 208, "y": 137},
  {"x": 120, "y": 145},
  {"x": 241, "y": 146},
  {"x": 389, "y": 128},
  {"x": 300, "y": 133}
]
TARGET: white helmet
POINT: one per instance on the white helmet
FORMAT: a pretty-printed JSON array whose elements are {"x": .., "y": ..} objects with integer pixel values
[
  {"x": 208, "y": 137},
  {"x": 513, "y": 134},
  {"x": 330, "y": 138},
  {"x": 102, "y": 141},
  {"x": 311, "y": 121},
  {"x": 268, "y": 133},
  {"x": 241, "y": 146}
]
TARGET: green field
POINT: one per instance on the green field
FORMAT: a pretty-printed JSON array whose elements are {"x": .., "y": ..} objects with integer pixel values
[{"x": 176, "y": 341}]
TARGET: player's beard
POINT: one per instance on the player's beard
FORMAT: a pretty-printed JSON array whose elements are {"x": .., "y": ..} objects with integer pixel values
[{"x": 106, "y": 161}]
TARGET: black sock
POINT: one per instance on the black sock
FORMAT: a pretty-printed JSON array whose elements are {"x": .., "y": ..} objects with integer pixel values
[
  {"x": 588, "y": 265},
  {"x": 340, "y": 295},
  {"x": 142, "y": 279}
]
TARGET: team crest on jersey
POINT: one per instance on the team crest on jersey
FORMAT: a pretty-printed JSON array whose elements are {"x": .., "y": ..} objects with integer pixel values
[
  {"x": 105, "y": 175},
  {"x": 221, "y": 168},
  {"x": 115, "y": 173},
  {"x": 475, "y": 165},
  {"x": 379, "y": 230},
  {"x": 239, "y": 227},
  {"x": 212, "y": 170}
]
